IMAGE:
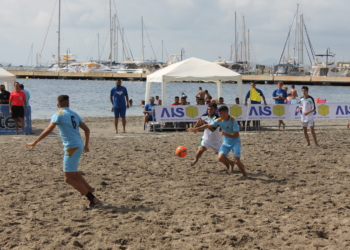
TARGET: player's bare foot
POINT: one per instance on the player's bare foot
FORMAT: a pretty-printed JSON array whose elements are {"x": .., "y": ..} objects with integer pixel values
[
  {"x": 116, "y": 131},
  {"x": 230, "y": 169},
  {"x": 307, "y": 145},
  {"x": 193, "y": 163},
  {"x": 317, "y": 144}
]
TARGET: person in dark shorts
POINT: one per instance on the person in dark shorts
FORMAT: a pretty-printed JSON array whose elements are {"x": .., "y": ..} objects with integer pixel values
[
  {"x": 16, "y": 102},
  {"x": 120, "y": 101},
  {"x": 4, "y": 95}
]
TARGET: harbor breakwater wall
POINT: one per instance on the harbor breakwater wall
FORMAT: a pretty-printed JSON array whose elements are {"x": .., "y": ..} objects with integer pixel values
[{"x": 298, "y": 80}]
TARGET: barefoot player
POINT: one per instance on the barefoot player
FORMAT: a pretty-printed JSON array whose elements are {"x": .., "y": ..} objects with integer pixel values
[
  {"x": 232, "y": 141},
  {"x": 212, "y": 137},
  {"x": 68, "y": 123},
  {"x": 307, "y": 106}
]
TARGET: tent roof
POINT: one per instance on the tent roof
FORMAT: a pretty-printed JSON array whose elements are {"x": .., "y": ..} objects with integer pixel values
[
  {"x": 193, "y": 69},
  {"x": 6, "y": 76}
]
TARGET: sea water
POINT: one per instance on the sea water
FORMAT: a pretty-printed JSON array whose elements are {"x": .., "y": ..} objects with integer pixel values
[{"x": 92, "y": 98}]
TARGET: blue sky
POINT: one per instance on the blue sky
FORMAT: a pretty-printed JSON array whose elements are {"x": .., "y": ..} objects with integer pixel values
[{"x": 204, "y": 28}]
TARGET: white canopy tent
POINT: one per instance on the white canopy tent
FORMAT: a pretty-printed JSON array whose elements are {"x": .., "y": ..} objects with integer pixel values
[
  {"x": 193, "y": 69},
  {"x": 7, "y": 77}
]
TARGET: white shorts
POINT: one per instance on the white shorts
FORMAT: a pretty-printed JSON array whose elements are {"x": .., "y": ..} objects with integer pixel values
[
  {"x": 208, "y": 144},
  {"x": 308, "y": 123}
]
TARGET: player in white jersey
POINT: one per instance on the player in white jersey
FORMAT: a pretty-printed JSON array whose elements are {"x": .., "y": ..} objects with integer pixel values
[
  {"x": 68, "y": 123},
  {"x": 212, "y": 137},
  {"x": 308, "y": 107}
]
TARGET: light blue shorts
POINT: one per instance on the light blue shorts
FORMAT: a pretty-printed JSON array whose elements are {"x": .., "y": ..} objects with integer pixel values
[
  {"x": 71, "y": 159},
  {"x": 236, "y": 149}
]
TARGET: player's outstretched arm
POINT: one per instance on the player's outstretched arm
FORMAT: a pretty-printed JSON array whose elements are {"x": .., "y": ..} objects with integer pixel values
[
  {"x": 45, "y": 133},
  {"x": 83, "y": 126}
]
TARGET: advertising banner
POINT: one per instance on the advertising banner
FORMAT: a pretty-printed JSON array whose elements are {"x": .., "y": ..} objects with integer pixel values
[
  {"x": 7, "y": 123},
  {"x": 190, "y": 113}
]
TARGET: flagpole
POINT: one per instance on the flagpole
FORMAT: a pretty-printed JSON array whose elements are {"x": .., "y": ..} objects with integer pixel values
[{"x": 246, "y": 119}]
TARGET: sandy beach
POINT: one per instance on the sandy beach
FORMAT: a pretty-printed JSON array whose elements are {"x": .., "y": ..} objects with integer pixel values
[{"x": 296, "y": 197}]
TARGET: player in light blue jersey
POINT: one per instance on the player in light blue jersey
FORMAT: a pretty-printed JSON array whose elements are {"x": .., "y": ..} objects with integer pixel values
[
  {"x": 232, "y": 141},
  {"x": 68, "y": 123}
]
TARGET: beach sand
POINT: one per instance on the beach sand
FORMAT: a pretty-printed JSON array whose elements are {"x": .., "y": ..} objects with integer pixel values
[{"x": 297, "y": 197}]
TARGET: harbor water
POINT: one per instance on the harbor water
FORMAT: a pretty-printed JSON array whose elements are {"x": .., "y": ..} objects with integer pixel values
[{"x": 91, "y": 98}]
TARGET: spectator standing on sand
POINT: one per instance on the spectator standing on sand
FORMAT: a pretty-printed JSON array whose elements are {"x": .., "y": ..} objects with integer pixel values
[
  {"x": 18, "y": 106},
  {"x": 26, "y": 92},
  {"x": 294, "y": 95},
  {"x": 4, "y": 95},
  {"x": 280, "y": 95},
  {"x": 256, "y": 124},
  {"x": 159, "y": 101},
  {"x": 120, "y": 101},
  {"x": 201, "y": 93}
]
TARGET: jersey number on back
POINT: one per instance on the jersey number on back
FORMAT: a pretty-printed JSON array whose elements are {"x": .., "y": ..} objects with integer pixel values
[{"x": 74, "y": 123}]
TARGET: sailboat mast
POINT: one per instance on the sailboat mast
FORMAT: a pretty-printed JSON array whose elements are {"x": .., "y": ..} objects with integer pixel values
[
  {"x": 59, "y": 32},
  {"x": 110, "y": 33},
  {"x": 98, "y": 47},
  {"x": 235, "y": 37},
  {"x": 301, "y": 40},
  {"x": 248, "y": 63},
  {"x": 143, "y": 51},
  {"x": 115, "y": 38},
  {"x": 245, "y": 40}
]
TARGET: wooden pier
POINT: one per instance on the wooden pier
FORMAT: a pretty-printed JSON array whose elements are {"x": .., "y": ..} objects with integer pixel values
[{"x": 298, "y": 80}]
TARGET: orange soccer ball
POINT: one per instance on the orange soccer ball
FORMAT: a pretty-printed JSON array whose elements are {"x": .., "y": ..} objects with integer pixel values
[{"x": 181, "y": 151}]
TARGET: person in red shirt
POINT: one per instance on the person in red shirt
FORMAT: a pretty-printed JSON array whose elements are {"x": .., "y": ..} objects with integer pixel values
[
  {"x": 176, "y": 101},
  {"x": 16, "y": 103}
]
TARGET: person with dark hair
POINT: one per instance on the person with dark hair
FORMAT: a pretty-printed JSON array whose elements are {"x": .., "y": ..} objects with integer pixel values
[
  {"x": 256, "y": 124},
  {"x": 120, "y": 101},
  {"x": 294, "y": 95},
  {"x": 197, "y": 100},
  {"x": 207, "y": 94},
  {"x": 18, "y": 107},
  {"x": 183, "y": 101},
  {"x": 149, "y": 111},
  {"x": 307, "y": 107},
  {"x": 221, "y": 101},
  {"x": 68, "y": 123},
  {"x": 232, "y": 141},
  {"x": 21, "y": 86},
  {"x": 201, "y": 101},
  {"x": 211, "y": 137},
  {"x": 208, "y": 100},
  {"x": 159, "y": 101},
  {"x": 130, "y": 102},
  {"x": 280, "y": 95},
  {"x": 142, "y": 104},
  {"x": 4, "y": 95},
  {"x": 177, "y": 101},
  {"x": 201, "y": 93}
]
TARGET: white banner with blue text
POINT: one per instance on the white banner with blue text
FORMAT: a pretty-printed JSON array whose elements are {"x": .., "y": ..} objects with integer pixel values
[{"x": 191, "y": 113}]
